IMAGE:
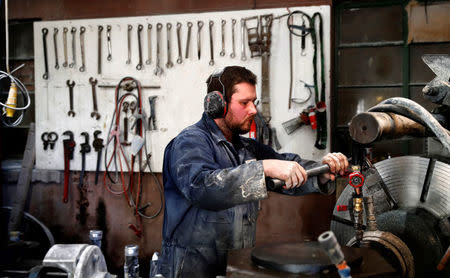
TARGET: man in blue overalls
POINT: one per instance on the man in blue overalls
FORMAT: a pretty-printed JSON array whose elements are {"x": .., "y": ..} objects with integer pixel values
[{"x": 214, "y": 178}]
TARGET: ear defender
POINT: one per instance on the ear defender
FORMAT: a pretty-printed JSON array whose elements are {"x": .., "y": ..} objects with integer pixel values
[{"x": 215, "y": 105}]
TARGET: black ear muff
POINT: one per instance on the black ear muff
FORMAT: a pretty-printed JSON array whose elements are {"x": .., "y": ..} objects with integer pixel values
[{"x": 215, "y": 105}]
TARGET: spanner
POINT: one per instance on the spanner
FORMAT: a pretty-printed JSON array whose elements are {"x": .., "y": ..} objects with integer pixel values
[
  {"x": 85, "y": 148},
  {"x": 108, "y": 37},
  {"x": 73, "y": 31},
  {"x": 71, "y": 113},
  {"x": 149, "y": 38},
  {"x": 130, "y": 27},
  {"x": 55, "y": 39},
  {"x": 69, "y": 146},
  {"x": 211, "y": 45},
  {"x": 158, "y": 69},
  {"x": 83, "y": 67},
  {"x": 188, "y": 40},
  {"x": 180, "y": 55},
  {"x": 139, "y": 30},
  {"x": 169, "y": 63},
  {"x": 233, "y": 23},
  {"x": 65, "y": 30},
  {"x": 222, "y": 53},
  {"x": 199, "y": 46},
  {"x": 94, "y": 114},
  {"x": 44, "y": 42},
  {"x": 243, "y": 31},
  {"x": 99, "y": 58},
  {"x": 98, "y": 147}
]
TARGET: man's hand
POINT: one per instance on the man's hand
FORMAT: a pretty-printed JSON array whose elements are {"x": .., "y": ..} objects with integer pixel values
[
  {"x": 338, "y": 164},
  {"x": 290, "y": 172}
]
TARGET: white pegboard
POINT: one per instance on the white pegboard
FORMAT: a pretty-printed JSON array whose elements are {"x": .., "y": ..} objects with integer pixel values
[{"x": 183, "y": 87}]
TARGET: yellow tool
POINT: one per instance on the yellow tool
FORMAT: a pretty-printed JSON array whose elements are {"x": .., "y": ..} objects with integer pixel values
[{"x": 12, "y": 100}]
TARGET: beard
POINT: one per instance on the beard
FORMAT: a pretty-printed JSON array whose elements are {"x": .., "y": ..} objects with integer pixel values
[{"x": 240, "y": 128}]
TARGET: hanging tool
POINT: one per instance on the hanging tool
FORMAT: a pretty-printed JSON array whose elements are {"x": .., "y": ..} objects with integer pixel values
[
  {"x": 169, "y": 63},
  {"x": 152, "y": 118},
  {"x": 49, "y": 139},
  {"x": 83, "y": 59},
  {"x": 233, "y": 24},
  {"x": 69, "y": 146},
  {"x": 98, "y": 147},
  {"x": 125, "y": 124},
  {"x": 74, "y": 60},
  {"x": 85, "y": 148},
  {"x": 254, "y": 40},
  {"x": 108, "y": 38},
  {"x": 199, "y": 31},
  {"x": 222, "y": 53},
  {"x": 94, "y": 114},
  {"x": 188, "y": 40},
  {"x": 139, "y": 31},
  {"x": 71, "y": 112},
  {"x": 44, "y": 42},
  {"x": 149, "y": 44},
  {"x": 211, "y": 43},
  {"x": 158, "y": 70},
  {"x": 180, "y": 55},
  {"x": 130, "y": 27},
  {"x": 55, "y": 46},
  {"x": 99, "y": 54},
  {"x": 65, "y": 30},
  {"x": 243, "y": 55}
]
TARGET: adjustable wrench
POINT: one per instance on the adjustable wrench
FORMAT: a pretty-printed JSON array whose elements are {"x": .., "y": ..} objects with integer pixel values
[
  {"x": 108, "y": 38},
  {"x": 65, "y": 30},
  {"x": 169, "y": 63},
  {"x": 149, "y": 38},
  {"x": 158, "y": 69},
  {"x": 125, "y": 124},
  {"x": 139, "y": 30},
  {"x": 99, "y": 58},
  {"x": 222, "y": 53},
  {"x": 199, "y": 46},
  {"x": 69, "y": 146},
  {"x": 44, "y": 42},
  {"x": 211, "y": 45},
  {"x": 94, "y": 114},
  {"x": 98, "y": 147},
  {"x": 243, "y": 30},
  {"x": 188, "y": 41},
  {"x": 233, "y": 23},
  {"x": 130, "y": 27},
  {"x": 83, "y": 67},
  {"x": 85, "y": 148},
  {"x": 180, "y": 55},
  {"x": 55, "y": 36},
  {"x": 73, "y": 31},
  {"x": 71, "y": 113}
]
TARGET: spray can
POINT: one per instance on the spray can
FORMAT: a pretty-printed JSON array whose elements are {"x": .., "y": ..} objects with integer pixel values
[
  {"x": 96, "y": 237},
  {"x": 131, "y": 266}
]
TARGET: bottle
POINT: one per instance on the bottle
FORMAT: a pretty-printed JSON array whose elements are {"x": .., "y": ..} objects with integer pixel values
[
  {"x": 96, "y": 237},
  {"x": 131, "y": 266},
  {"x": 153, "y": 265}
]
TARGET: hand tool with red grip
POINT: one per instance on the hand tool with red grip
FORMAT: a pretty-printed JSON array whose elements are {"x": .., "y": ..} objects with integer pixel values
[{"x": 69, "y": 146}]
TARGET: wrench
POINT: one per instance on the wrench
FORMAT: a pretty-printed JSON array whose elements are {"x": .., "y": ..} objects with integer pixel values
[
  {"x": 199, "y": 46},
  {"x": 222, "y": 53},
  {"x": 149, "y": 38},
  {"x": 180, "y": 55},
  {"x": 71, "y": 113},
  {"x": 130, "y": 27},
  {"x": 73, "y": 31},
  {"x": 99, "y": 58},
  {"x": 98, "y": 147},
  {"x": 69, "y": 146},
  {"x": 44, "y": 41},
  {"x": 169, "y": 63},
  {"x": 243, "y": 30},
  {"x": 188, "y": 41},
  {"x": 94, "y": 114},
  {"x": 82, "y": 30},
  {"x": 233, "y": 23},
  {"x": 158, "y": 69},
  {"x": 139, "y": 30},
  {"x": 65, "y": 30},
  {"x": 108, "y": 37},
  {"x": 85, "y": 148},
  {"x": 211, "y": 45},
  {"x": 55, "y": 36}
]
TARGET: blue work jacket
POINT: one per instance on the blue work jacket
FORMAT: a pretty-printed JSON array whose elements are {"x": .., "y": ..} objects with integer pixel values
[{"x": 212, "y": 189}]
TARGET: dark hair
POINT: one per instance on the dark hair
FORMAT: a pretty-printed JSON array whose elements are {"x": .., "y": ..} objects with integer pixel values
[{"x": 229, "y": 77}]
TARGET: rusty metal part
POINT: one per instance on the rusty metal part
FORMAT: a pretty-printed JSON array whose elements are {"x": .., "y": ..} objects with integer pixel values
[
  {"x": 368, "y": 127},
  {"x": 390, "y": 246},
  {"x": 305, "y": 257}
]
